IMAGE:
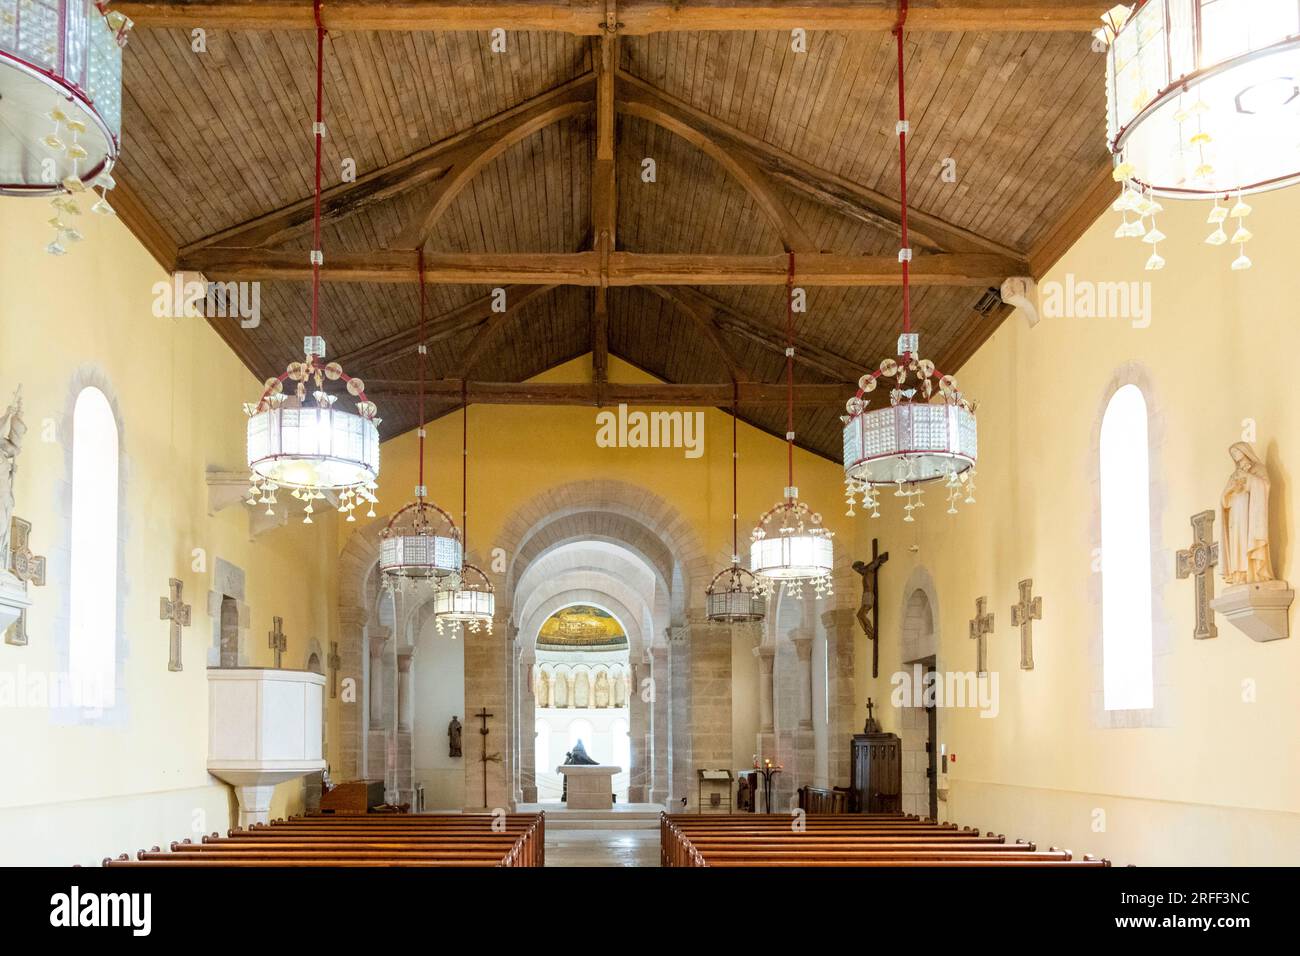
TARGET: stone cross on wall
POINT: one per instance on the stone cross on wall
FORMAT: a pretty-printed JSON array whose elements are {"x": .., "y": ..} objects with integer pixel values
[
  {"x": 1198, "y": 561},
  {"x": 981, "y": 625},
  {"x": 276, "y": 639},
  {"x": 28, "y": 568},
  {"x": 1023, "y": 614},
  {"x": 335, "y": 662},
  {"x": 175, "y": 610}
]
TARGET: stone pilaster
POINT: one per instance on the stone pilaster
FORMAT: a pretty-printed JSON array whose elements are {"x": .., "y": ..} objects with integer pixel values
[
  {"x": 803, "y": 675},
  {"x": 660, "y": 688},
  {"x": 679, "y": 717},
  {"x": 347, "y": 752},
  {"x": 486, "y": 686},
  {"x": 379, "y": 756},
  {"x": 840, "y": 624}
]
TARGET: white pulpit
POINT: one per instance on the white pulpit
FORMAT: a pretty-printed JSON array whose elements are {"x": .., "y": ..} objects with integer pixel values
[
  {"x": 588, "y": 787},
  {"x": 264, "y": 727}
]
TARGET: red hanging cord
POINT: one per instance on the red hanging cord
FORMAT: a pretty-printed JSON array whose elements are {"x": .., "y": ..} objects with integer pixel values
[
  {"x": 319, "y": 133},
  {"x": 789, "y": 369},
  {"x": 735, "y": 540},
  {"x": 420, "y": 352},
  {"x": 464, "y": 469},
  {"x": 902, "y": 168}
]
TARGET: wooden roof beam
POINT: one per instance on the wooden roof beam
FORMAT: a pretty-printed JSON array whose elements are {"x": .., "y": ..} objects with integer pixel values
[
  {"x": 586, "y": 268},
  {"x": 586, "y": 17},
  {"x": 614, "y": 393},
  {"x": 703, "y": 313}
]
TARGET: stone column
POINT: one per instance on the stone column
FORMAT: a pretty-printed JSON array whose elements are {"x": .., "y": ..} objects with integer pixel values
[
  {"x": 486, "y": 680},
  {"x": 638, "y": 718},
  {"x": 766, "y": 657},
  {"x": 710, "y": 684},
  {"x": 404, "y": 764},
  {"x": 527, "y": 729},
  {"x": 405, "y": 690},
  {"x": 377, "y": 736},
  {"x": 660, "y": 731},
  {"x": 803, "y": 651}
]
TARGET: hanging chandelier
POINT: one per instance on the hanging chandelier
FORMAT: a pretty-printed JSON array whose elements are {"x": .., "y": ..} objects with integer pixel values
[
  {"x": 923, "y": 434},
  {"x": 60, "y": 105},
  {"x": 468, "y": 601},
  {"x": 303, "y": 441},
  {"x": 789, "y": 545},
  {"x": 734, "y": 596},
  {"x": 1203, "y": 102},
  {"x": 420, "y": 542}
]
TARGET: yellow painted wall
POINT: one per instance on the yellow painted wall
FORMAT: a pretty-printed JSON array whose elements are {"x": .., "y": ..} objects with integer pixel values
[
  {"x": 73, "y": 794},
  {"x": 1220, "y": 783}
]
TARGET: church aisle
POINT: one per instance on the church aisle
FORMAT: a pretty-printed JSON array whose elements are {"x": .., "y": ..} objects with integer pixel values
[{"x": 602, "y": 848}]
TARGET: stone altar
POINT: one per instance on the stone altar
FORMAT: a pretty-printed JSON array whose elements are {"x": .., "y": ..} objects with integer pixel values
[{"x": 589, "y": 787}]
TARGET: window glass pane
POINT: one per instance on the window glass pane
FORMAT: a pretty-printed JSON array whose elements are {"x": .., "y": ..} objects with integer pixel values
[
  {"x": 93, "y": 627},
  {"x": 1126, "y": 553}
]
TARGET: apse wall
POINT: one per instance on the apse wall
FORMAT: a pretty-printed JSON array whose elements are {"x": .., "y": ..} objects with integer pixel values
[
  {"x": 1214, "y": 780},
  {"x": 78, "y": 788}
]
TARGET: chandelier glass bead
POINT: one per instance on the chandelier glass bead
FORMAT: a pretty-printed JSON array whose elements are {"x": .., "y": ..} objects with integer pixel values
[
  {"x": 1202, "y": 102},
  {"x": 467, "y": 602},
  {"x": 60, "y": 106}
]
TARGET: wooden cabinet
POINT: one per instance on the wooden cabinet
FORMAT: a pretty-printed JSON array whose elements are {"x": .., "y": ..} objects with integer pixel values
[
  {"x": 354, "y": 796},
  {"x": 876, "y": 774}
]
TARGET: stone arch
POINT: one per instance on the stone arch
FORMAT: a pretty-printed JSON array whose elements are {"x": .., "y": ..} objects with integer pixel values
[{"x": 919, "y": 617}]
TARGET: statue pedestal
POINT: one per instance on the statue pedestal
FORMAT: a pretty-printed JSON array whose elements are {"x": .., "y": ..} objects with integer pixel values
[
  {"x": 13, "y": 599},
  {"x": 589, "y": 787},
  {"x": 1257, "y": 610}
]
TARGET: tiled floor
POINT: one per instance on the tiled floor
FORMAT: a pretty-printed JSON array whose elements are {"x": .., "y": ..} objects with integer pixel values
[{"x": 602, "y": 847}]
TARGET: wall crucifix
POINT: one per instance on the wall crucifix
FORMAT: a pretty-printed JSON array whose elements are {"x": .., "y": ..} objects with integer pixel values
[
  {"x": 1023, "y": 615},
  {"x": 276, "y": 639},
  {"x": 28, "y": 568},
  {"x": 174, "y": 609},
  {"x": 869, "y": 610},
  {"x": 1199, "y": 561},
  {"x": 981, "y": 625},
  {"x": 334, "y": 662}
]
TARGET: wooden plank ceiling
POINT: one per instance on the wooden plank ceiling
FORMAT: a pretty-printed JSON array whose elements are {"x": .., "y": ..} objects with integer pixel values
[{"x": 219, "y": 141}]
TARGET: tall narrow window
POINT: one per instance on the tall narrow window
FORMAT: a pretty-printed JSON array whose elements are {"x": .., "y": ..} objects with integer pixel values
[
  {"x": 1126, "y": 553},
  {"x": 94, "y": 586}
]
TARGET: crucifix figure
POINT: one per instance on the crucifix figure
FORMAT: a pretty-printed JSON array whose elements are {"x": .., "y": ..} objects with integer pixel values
[
  {"x": 483, "y": 716},
  {"x": 869, "y": 610},
  {"x": 335, "y": 662},
  {"x": 981, "y": 626},
  {"x": 1023, "y": 614},
  {"x": 174, "y": 609},
  {"x": 276, "y": 640},
  {"x": 26, "y": 567},
  {"x": 1197, "y": 561}
]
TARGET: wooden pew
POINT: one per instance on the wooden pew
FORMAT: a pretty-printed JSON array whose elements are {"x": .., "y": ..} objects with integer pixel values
[
  {"x": 825, "y": 840},
  {"x": 363, "y": 841}
]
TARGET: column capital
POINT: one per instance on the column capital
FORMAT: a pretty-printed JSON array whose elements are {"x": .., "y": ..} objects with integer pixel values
[
  {"x": 840, "y": 617},
  {"x": 404, "y": 657},
  {"x": 802, "y": 647}
]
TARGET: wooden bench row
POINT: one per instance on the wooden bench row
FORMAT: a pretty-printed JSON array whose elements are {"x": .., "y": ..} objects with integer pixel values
[
  {"x": 450, "y": 840},
  {"x": 834, "y": 840}
]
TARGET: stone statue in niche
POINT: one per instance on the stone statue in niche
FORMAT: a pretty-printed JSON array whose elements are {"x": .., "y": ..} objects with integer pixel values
[
  {"x": 13, "y": 590},
  {"x": 1254, "y": 601},
  {"x": 600, "y": 694},
  {"x": 453, "y": 737},
  {"x": 12, "y": 430},
  {"x": 1244, "y": 506}
]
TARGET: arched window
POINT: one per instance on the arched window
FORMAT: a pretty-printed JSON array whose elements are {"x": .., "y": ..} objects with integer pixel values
[
  {"x": 94, "y": 572},
  {"x": 542, "y": 747},
  {"x": 580, "y": 730},
  {"x": 621, "y": 741},
  {"x": 1127, "y": 680}
]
